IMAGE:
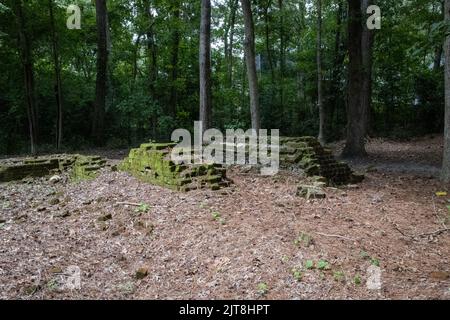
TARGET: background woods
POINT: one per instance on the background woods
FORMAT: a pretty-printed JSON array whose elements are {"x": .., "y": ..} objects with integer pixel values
[{"x": 132, "y": 72}]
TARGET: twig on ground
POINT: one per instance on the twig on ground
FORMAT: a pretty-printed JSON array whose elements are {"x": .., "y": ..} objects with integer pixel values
[
  {"x": 335, "y": 236},
  {"x": 129, "y": 204},
  {"x": 434, "y": 233}
]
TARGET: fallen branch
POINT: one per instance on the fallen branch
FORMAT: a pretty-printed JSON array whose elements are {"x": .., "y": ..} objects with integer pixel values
[
  {"x": 129, "y": 204},
  {"x": 335, "y": 236},
  {"x": 435, "y": 233}
]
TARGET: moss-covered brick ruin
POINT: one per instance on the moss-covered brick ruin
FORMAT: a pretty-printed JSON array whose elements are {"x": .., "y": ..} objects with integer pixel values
[
  {"x": 308, "y": 154},
  {"x": 81, "y": 167},
  {"x": 152, "y": 163}
]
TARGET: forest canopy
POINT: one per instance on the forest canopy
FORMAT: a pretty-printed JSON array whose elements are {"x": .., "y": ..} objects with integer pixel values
[{"x": 152, "y": 70}]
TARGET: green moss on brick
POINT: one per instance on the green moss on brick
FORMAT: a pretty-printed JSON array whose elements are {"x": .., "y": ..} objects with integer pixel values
[{"x": 151, "y": 163}]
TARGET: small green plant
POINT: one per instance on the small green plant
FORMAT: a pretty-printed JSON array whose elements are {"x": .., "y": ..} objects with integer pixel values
[
  {"x": 53, "y": 285},
  {"x": 218, "y": 217},
  {"x": 339, "y": 276},
  {"x": 375, "y": 262},
  {"x": 357, "y": 280},
  {"x": 309, "y": 264},
  {"x": 263, "y": 288},
  {"x": 303, "y": 239},
  {"x": 323, "y": 265},
  {"x": 364, "y": 255},
  {"x": 143, "y": 208},
  {"x": 285, "y": 259},
  {"x": 297, "y": 274}
]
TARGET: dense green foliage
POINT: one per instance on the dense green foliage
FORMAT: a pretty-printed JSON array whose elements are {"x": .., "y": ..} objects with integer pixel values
[{"x": 407, "y": 81}]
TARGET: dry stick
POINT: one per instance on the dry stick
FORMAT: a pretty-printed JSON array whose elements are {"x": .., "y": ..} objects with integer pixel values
[
  {"x": 335, "y": 236},
  {"x": 137, "y": 204},
  {"x": 129, "y": 204},
  {"x": 435, "y": 233},
  {"x": 414, "y": 237}
]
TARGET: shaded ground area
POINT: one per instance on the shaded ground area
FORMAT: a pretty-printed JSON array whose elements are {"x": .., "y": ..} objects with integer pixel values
[
  {"x": 420, "y": 156},
  {"x": 236, "y": 243}
]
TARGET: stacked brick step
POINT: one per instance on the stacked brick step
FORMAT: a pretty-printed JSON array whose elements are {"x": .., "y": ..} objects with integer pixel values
[{"x": 309, "y": 155}]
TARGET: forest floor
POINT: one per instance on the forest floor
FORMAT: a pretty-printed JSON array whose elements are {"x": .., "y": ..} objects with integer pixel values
[{"x": 237, "y": 243}]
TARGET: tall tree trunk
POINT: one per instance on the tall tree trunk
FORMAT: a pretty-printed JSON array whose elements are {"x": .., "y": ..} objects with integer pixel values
[
  {"x": 268, "y": 47},
  {"x": 230, "y": 58},
  {"x": 368, "y": 37},
  {"x": 282, "y": 60},
  {"x": 322, "y": 113},
  {"x": 439, "y": 49},
  {"x": 445, "y": 174},
  {"x": 356, "y": 115},
  {"x": 339, "y": 57},
  {"x": 152, "y": 63},
  {"x": 28, "y": 74},
  {"x": 137, "y": 45},
  {"x": 58, "y": 84},
  {"x": 205, "y": 65},
  {"x": 98, "y": 126},
  {"x": 249, "y": 48},
  {"x": 175, "y": 47}
]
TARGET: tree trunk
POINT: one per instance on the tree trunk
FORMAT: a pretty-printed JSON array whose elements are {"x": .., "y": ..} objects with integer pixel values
[
  {"x": 268, "y": 47},
  {"x": 152, "y": 63},
  {"x": 322, "y": 113},
  {"x": 356, "y": 115},
  {"x": 28, "y": 74},
  {"x": 205, "y": 65},
  {"x": 58, "y": 84},
  {"x": 98, "y": 126},
  {"x": 445, "y": 174},
  {"x": 282, "y": 59},
  {"x": 439, "y": 49},
  {"x": 339, "y": 57},
  {"x": 230, "y": 58},
  {"x": 368, "y": 37},
  {"x": 173, "y": 100},
  {"x": 249, "y": 48}
]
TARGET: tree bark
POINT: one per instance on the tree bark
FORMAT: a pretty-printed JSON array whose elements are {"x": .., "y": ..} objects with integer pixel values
[
  {"x": 282, "y": 59},
  {"x": 98, "y": 126},
  {"x": 230, "y": 58},
  {"x": 322, "y": 113},
  {"x": 368, "y": 37},
  {"x": 249, "y": 48},
  {"x": 28, "y": 74},
  {"x": 58, "y": 83},
  {"x": 439, "y": 49},
  {"x": 205, "y": 65},
  {"x": 339, "y": 57},
  {"x": 445, "y": 173},
  {"x": 356, "y": 115},
  {"x": 268, "y": 46}
]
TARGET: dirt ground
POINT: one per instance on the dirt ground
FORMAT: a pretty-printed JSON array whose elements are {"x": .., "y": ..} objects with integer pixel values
[{"x": 237, "y": 243}]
